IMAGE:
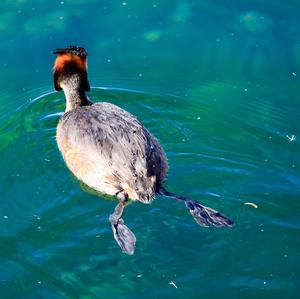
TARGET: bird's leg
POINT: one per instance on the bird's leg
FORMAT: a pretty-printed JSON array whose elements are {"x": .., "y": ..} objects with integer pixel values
[
  {"x": 203, "y": 215},
  {"x": 123, "y": 235}
]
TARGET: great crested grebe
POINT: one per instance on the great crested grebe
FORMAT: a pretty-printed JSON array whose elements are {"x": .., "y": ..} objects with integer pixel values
[{"x": 110, "y": 151}]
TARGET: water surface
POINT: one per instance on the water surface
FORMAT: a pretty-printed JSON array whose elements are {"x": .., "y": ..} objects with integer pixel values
[{"x": 218, "y": 83}]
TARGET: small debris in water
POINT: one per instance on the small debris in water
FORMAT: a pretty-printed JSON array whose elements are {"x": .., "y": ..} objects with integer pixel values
[
  {"x": 173, "y": 284},
  {"x": 251, "y": 204},
  {"x": 5, "y": 217},
  {"x": 213, "y": 194},
  {"x": 291, "y": 138},
  {"x": 294, "y": 74},
  {"x": 246, "y": 89},
  {"x": 140, "y": 75},
  {"x": 37, "y": 217},
  {"x": 124, "y": 3},
  {"x": 198, "y": 117},
  {"x": 265, "y": 282},
  {"x": 39, "y": 282},
  {"x": 139, "y": 275}
]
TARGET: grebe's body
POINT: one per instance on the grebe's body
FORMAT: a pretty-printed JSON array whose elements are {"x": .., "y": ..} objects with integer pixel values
[{"x": 109, "y": 150}]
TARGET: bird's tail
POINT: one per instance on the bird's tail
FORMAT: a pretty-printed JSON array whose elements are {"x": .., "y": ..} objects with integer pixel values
[{"x": 203, "y": 215}]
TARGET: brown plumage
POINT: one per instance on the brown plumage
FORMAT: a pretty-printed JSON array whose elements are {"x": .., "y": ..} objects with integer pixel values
[{"x": 109, "y": 150}]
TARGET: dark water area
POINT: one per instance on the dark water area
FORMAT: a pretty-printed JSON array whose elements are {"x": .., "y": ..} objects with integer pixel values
[{"x": 218, "y": 83}]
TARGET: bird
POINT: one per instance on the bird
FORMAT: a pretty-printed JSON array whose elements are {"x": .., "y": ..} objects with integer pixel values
[{"x": 110, "y": 151}]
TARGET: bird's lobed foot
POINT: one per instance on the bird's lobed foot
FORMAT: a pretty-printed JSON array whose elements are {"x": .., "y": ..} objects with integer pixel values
[
  {"x": 205, "y": 216},
  {"x": 124, "y": 236}
]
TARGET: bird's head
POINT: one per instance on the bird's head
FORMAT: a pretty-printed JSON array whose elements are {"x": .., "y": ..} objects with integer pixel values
[{"x": 71, "y": 62}]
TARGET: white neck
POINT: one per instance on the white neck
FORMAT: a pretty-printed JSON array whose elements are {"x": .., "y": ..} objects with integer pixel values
[{"x": 75, "y": 96}]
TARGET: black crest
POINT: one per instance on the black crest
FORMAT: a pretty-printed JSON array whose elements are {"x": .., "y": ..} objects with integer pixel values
[{"x": 80, "y": 51}]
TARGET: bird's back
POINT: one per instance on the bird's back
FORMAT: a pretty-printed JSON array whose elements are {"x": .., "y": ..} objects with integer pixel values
[{"x": 110, "y": 150}]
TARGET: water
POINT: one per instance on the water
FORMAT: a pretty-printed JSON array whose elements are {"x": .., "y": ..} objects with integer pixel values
[{"x": 218, "y": 83}]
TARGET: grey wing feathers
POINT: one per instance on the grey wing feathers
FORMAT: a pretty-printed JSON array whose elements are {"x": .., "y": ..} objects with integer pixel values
[{"x": 135, "y": 159}]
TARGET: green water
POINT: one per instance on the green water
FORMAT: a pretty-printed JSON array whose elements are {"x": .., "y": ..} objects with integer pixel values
[{"x": 218, "y": 83}]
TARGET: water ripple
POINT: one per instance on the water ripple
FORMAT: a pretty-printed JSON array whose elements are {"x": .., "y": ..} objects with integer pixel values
[{"x": 220, "y": 156}]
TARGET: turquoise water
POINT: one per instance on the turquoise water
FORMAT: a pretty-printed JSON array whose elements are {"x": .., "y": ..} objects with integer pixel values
[{"x": 218, "y": 83}]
